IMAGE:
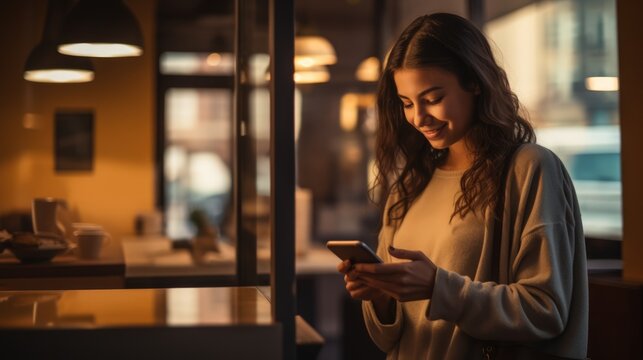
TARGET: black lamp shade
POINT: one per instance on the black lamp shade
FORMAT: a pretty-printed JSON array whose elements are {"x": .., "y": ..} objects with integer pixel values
[
  {"x": 45, "y": 64},
  {"x": 100, "y": 28}
]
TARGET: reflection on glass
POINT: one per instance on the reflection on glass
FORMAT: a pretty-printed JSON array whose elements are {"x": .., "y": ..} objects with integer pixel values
[
  {"x": 198, "y": 175},
  {"x": 188, "y": 63},
  {"x": 561, "y": 60},
  {"x": 122, "y": 308},
  {"x": 253, "y": 115}
]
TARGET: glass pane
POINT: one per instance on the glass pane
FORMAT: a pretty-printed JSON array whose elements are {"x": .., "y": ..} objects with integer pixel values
[
  {"x": 254, "y": 142},
  {"x": 190, "y": 63},
  {"x": 198, "y": 162},
  {"x": 561, "y": 59}
]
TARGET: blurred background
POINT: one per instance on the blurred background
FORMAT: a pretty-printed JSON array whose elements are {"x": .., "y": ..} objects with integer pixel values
[
  {"x": 560, "y": 57},
  {"x": 166, "y": 140}
]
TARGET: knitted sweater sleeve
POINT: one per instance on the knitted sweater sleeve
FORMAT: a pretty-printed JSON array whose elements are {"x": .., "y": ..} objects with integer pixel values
[{"x": 539, "y": 224}]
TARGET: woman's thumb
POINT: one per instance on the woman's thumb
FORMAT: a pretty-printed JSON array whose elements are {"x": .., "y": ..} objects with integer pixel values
[{"x": 405, "y": 254}]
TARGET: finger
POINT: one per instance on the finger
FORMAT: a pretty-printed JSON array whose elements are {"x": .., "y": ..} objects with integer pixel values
[
  {"x": 391, "y": 288},
  {"x": 352, "y": 275},
  {"x": 355, "y": 285},
  {"x": 344, "y": 266},
  {"x": 348, "y": 278},
  {"x": 392, "y": 277},
  {"x": 388, "y": 268},
  {"x": 406, "y": 254}
]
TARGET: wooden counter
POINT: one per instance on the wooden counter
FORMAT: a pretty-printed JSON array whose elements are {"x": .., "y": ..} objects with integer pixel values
[
  {"x": 186, "y": 323},
  {"x": 155, "y": 257},
  {"x": 64, "y": 272}
]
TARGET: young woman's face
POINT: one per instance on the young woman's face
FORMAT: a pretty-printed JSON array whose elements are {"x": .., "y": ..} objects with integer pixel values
[{"x": 435, "y": 104}]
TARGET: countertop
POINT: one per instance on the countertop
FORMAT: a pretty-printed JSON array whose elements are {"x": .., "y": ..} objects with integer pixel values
[
  {"x": 154, "y": 256},
  {"x": 148, "y": 262},
  {"x": 65, "y": 271},
  {"x": 232, "y": 322}
]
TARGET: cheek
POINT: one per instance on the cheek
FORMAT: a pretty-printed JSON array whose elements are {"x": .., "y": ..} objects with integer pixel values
[
  {"x": 459, "y": 116},
  {"x": 408, "y": 115}
]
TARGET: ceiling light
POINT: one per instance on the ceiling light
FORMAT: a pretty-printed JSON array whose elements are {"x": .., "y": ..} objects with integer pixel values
[
  {"x": 369, "y": 69},
  {"x": 101, "y": 28},
  {"x": 214, "y": 59},
  {"x": 45, "y": 64},
  {"x": 602, "y": 83},
  {"x": 311, "y": 75},
  {"x": 314, "y": 50}
]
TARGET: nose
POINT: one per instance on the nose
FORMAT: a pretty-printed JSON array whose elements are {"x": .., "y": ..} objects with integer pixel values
[{"x": 421, "y": 117}]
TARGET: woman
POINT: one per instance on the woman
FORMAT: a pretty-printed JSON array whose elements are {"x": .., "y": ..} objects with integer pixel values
[{"x": 452, "y": 144}]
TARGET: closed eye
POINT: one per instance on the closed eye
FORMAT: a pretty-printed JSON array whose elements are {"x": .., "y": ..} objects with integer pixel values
[{"x": 435, "y": 101}]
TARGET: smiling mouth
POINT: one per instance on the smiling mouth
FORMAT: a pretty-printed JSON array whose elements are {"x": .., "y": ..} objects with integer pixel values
[{"x": 432, "y": 133}]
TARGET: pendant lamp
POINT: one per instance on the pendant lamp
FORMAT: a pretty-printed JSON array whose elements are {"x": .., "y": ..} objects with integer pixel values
[
  {"x": 101, "y": 28},
  {"x": 311, "y": 74},
  {"x": 46, "y": 64},
  {"x": 370, "y": 69},
  {"x": 312, "y": 50},
  {"x": 601, "y": 83}
]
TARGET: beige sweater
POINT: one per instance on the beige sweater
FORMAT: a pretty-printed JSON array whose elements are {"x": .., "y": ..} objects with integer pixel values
[{"x": 545, "y": 302}]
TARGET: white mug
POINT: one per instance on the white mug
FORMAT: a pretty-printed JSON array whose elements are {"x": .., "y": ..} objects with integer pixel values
[{"x": 90, "y": 241}]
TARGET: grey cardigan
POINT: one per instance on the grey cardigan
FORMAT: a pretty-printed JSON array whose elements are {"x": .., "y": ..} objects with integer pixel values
[{"x": 544, "y": 303}]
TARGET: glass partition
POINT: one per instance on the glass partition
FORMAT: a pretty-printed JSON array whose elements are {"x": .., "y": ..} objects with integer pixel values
[
  {"x": 253, "y": 141},
  {"x": 196, "y": 152},
  {"x": 216, "y": 136}
]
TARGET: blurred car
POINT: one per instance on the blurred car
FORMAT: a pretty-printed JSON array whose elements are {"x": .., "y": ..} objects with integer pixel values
[{"x": 593, "y": 159}]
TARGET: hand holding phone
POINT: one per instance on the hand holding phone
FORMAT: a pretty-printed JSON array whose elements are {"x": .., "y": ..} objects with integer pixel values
[{"x": 354, "y": 250}]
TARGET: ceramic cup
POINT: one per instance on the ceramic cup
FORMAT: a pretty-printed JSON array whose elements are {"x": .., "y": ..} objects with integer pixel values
[
  {"x": 44, "y": 214},
  {"x": 91, "y": 239}
]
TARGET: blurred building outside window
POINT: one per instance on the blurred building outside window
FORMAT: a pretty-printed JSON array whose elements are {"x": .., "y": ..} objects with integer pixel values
[
  {"x": 561, "y": 60},
  {"x": 198, "y": 147}
]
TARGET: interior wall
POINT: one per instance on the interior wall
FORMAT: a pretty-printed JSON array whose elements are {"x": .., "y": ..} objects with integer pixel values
[
  {"x": 411, "y": 9},
  {"x": 121, "y": 96},
  {"x": 630, "y": 38}
]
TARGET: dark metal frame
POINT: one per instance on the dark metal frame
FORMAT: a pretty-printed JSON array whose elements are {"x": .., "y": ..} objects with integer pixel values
[
  {"x": 283, "y": 170},
  {"x": 476, "y": 12},
  {"x": 244, "y": 173}
]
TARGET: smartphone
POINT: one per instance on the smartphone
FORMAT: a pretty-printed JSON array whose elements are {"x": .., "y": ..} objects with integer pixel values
[{"x": 353, "y": 250}]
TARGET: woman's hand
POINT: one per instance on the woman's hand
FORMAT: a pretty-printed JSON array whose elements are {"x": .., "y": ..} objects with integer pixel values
[
  {"x": 357, "y": 288},
  {"x": 405, "y": 281}
]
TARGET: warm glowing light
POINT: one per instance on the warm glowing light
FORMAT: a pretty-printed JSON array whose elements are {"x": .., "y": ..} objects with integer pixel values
[
  {"x": 31, "y": 121},
  {"x": 214, "y": 59},
  {"x": 311, "y": 75},
  {"x": 349, "y": 109},
  {"x": 313, "y": 50},
  {"x": 602, "y": 83},
  {"x": 348, "y": 112},
  {"x": 59, "y": 76},
  {"x": 369, "y": 69},
  {"x": 306, "y": 62},
  {"x": 103, "y": 50},
  {"x": 192, "y": 63}
]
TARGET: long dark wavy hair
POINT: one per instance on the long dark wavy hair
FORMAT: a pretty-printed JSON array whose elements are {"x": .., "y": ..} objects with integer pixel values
[{"x": 405, "y": 160}]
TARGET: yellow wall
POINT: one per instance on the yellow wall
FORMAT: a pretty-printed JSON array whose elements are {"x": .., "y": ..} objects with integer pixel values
[
  {"x": 122, "y": 98},
  {"x": 630, "y": 33}
]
